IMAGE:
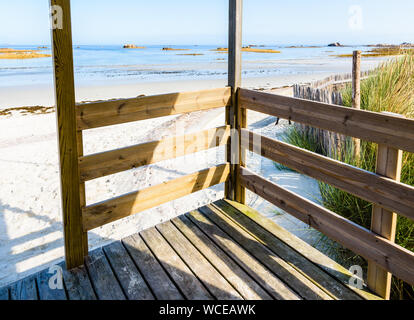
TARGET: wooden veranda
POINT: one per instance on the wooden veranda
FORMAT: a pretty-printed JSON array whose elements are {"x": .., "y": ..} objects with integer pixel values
[{"x": 224, "y": 250}]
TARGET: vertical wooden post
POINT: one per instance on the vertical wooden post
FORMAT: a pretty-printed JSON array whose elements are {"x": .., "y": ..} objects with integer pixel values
[
  {"x": 75, "y": 238},
  {"x": 384, "y": 222},
  {"x": 356, "y": 95},
  {"x": 82, "y": 189},
  {"x": 235, "y": 117}
]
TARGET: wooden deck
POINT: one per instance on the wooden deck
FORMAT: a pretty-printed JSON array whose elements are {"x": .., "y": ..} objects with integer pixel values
[{"x": 223, "y": 251}]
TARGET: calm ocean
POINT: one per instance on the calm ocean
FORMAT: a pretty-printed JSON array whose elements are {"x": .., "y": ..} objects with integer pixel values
[{"x": 113, "y": 63}]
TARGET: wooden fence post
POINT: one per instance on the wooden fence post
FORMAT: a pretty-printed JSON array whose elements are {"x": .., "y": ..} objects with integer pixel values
[
  {"x": 384, "y": 222},
  {"x": 235, "y": 117},
  {"x": 356, "y": 95},
  {"x": 75, "y": 238}
]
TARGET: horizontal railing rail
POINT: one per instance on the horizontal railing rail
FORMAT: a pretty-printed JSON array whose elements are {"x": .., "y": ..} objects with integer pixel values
[
  {"x": 385, "y": 192},
  {"x": 111, "y": 162},
  {"x": 106, "y": 113},
  {"x": 385, "y": 253},
  {"x": 114, "y": 209},
  {"x": 393, "y": 131}
]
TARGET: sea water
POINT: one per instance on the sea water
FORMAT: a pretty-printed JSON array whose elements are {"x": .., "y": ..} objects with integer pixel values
[{"x": 112, "y": 63}]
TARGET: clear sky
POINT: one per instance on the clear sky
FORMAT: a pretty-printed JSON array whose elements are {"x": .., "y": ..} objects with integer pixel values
[{"x": 205, "y": 21}]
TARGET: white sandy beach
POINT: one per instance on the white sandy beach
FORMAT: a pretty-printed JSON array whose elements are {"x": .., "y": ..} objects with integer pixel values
[{"x": 31, "y": 234}]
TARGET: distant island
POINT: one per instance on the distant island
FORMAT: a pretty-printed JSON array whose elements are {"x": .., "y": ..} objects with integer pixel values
[
  {"x": 303, "y": 47},
  {"x": 133, "y": 46},
  {"x": 173, "y": 49},
  {"x": 190, "y": 54},
  {"x": 384, "y": 45},
  {"x": 249, "y": 49},
  {"x": 335, "y": 44},
  {"x": 8, "y": 53}
]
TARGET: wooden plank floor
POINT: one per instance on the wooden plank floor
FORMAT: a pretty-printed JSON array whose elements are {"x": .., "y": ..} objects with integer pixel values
[{"x": 223, "y": 251}]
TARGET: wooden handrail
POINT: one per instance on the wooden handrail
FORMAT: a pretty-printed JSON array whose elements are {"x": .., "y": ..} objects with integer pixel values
[
  {"x": 385, "y": 192},
  {"x": 106, "y": 113},
  {"x": 376, "y": 127},
  {"x": 391, "y": 257},
  {"x": 106, "y": 163},
  {"x": 114, "y": 209}
]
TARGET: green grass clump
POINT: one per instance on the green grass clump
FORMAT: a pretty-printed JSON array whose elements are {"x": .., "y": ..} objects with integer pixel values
[
  {"x": 303, "y": 139},
  {"x": 390, "y": 89}
]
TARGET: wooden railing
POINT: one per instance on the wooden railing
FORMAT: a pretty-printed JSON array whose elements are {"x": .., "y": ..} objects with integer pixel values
[
  {"x": 392, "y": 133},
  {"x": 93, "y": 115},
  {"x": 384, "y": 190}
]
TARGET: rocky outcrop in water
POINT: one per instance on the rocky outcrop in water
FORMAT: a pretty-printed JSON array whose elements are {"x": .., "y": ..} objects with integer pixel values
[{"x": 132, "y": 46}]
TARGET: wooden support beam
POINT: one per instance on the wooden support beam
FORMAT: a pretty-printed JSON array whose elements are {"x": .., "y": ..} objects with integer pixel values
[
  {"x": 235, "y": 117},
  {"x": 356, "y": 95},
  {"x": 384, "y": 222},
  {"x": 75, "y": 239},
  {"x": 82, "y": 188}
]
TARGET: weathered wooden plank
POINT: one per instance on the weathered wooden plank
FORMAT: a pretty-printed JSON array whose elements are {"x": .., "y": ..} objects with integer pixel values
[
  {"x": 82, "y": 189},
  {"x": 235, "y": 43},
  {"x": 390, "y": 130},
  {"x": 106, "y": 163},
  {"x": 161, "y": 285},
  {"x": 4, "y": 293},
  {"x": 385, "y": 253},
  {"x": 241, "y": 281},
  {"x": 50, "y": 285},
  {"x": 372, "y": 187},
  {"x": 324, "y": 262},
  {"x": 291, "y": 276},
  {"x": 242, "y": 124},
  {"x": 356, "y": 94},
  {"x": 75, "y": 241},
  {"x": 291, "y": 256},
  {"x": 111, "y": 210},
  {"x": 183, "y": 277},
  {"x": 103, "y": 279},
  {"x": 78, "y": 284},
  {"x": 99, "y": 114},
  {"x": 199, "y": 265},
  {"x": 234, "y": 82},
  {"x": 24, "y": 289},
  {"x": 384, "y": 222},
  {"x": 271, "y": 283},
  {"x": 127, "y": 273}
]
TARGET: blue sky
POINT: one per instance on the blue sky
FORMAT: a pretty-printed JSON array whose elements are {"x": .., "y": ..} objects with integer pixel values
[{"x": 205, "y": 21}]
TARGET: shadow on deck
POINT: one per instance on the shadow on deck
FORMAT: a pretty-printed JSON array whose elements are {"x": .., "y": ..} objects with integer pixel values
[{"x": 223, "y": 251}]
